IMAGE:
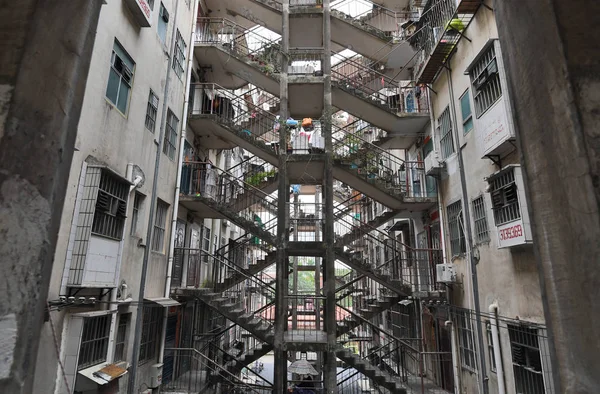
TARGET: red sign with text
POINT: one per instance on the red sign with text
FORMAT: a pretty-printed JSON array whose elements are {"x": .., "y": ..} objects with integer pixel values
[{"x": 511, "y": 234}]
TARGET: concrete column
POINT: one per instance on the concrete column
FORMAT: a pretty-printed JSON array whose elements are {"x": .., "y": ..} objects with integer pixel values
[
  {"x": 329, "y": 263},
  {"x": 43, "y": 72},
  {"x": 553, "y": 67},
  {"x": 283, "y": 194}
]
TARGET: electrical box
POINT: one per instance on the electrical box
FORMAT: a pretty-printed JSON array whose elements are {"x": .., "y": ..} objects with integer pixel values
[{"x": 445, "y": 273}]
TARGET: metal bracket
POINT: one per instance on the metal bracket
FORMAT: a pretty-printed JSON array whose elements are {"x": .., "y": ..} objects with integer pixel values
[{"x": 496, "y": 159}]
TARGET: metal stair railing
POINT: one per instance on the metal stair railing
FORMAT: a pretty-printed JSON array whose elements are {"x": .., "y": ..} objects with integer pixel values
[
  {"x": 248, "y": 374},
  {"x": 243, "y": 42},
  {"x": 234, "y": 112},
  {"x": 371, "y": 85},
  {"x": 194, "y": 372},
  {"x": 373, "y": 17}
]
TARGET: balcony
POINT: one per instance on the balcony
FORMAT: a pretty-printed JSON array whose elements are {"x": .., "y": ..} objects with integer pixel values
[{"x": 438, "y": 32}]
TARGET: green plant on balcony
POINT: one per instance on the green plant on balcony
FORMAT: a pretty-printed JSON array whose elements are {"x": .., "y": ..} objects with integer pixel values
[
  {"x": 206, "y": 284},
  {"x": 257, "y": 178}
]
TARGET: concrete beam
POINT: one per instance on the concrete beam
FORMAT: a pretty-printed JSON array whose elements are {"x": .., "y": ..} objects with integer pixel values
[
  {"x": 553, "y": 65},
  {"x": 43, "y": 72}
]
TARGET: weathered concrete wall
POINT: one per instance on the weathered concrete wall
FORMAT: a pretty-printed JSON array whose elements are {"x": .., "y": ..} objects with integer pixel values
[
  {"x": 554, "y": 75},
  {"x": 43, "y": 71}
]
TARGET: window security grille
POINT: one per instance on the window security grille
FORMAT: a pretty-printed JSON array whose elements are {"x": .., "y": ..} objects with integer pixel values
[
  {"x": 160, "y": 224},
  {"x": 455, "y": 226},
  {"x": 170, "y": 141},
  {"x": 179, "y": 55},
  {"x": 94, "y": 341},
  {"x": 151, "y": 327},
  {"x": 466, "y": 342},
  {"x": 527, "y": 361},
  {"x": 111, "y": 206},
  {"x": 120, "y": 348},
  {"x": 445, "y": 132},
  {"x": 151, "y": 111},
  {"x": 486, "y": 81},
  {"x": 505, "y": 200},
  {"x": 481, "y": 226}
]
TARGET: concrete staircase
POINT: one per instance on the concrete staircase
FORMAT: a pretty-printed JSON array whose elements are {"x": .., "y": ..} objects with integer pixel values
[
  {"x": 382, "y": 378},
  {"x": 253, "y": 269}
]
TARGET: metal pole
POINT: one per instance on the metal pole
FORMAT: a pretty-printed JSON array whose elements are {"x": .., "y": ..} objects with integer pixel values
[{"x": 131, "y": 383}]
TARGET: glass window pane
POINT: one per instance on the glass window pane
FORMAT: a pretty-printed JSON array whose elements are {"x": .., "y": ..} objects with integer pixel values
[
  {"x": 123, "y": 97},
  {"x": 465, "y": 106},
  {"x": 113, "y": 86},
  {"x": 468, "y": 125}
]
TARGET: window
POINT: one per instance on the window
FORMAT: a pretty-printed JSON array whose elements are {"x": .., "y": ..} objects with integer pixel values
[
  {"x": 151, "y": 327},
  {"x": 121, "y": 340},
  {"x": 455, "y": 226},
  {"x": 160, "y": 225},
  {"x": 206, "y": 243},
  {"x": 505, "y": 200},
  {"x": 445, "y": 132},
  {"x": 466, "y": 342},
  {"x": 486, "y": 81},
  {"x": 163, "y": 23},
  {"x": 465, "y": 110},
  {"x": 151, "y": 4},
  {"x": 481, "y": 227},
  {"x": 170, "y": 142},
  {"x": 135, "y": 213},
  {"x": 111, "y": 206},
  {"x": 94, "y": 341},
  {"x": 179, "y": 55},
  {"x": 526, "y": 358},
  {"x": 151, "y": 111},
  {"x": 120, "y": 78},
  {"x": 488, "y": 329}
]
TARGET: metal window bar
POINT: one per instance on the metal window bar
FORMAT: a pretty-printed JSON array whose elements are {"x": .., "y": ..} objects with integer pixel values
[
  {"x": 94, "y": 341},
  {"x": 170, "y": 140},
  {"x": 120, "y": 341},
  {"x": 505, "y": 201},
  {"x": 151, "y": 111},
  {"x": 160, "y": 223},
  {"x": 151, "y": 328},
  {"x": 111, "y": 206},
  {"x": 455, "y": 225},
  {"x": 486, "y": 81},
  {"x": 445, "y": 127},
  {"x": 179, "y": 55},
  {"x": 479, "y": 217},
  {"x": 491, "y": 356},
  {"x": 466, "y": 341}
]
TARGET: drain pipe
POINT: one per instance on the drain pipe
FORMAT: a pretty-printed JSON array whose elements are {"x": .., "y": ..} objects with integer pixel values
[
  {"x": 455, "y": 360},
  {"x": 137, "y": 336},
  {"x": 483, "y": 380},
  {"x": 493, "y": 308},
  {"x": 175, "y": 211}
]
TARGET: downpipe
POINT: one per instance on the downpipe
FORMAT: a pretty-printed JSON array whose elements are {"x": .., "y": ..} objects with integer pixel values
[
  {"x": 493, "y": 309},
  {"x": 175, "y": 211},
  {"x": 455, "y": 360}
]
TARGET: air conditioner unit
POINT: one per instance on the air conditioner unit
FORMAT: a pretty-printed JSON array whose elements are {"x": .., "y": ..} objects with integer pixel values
[
  {"x": 155, "y": 375},
  {"x": 433, "y": 164},
  {"x": 445, "y": 273}
]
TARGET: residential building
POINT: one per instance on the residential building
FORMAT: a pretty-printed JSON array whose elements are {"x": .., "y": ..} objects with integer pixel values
[{"x": 133, "y": 113}]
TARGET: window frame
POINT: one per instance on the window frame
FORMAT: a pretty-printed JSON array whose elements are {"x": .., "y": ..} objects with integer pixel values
[
  {"x": 160, "y": 226},
  {"x": 151, "y": 111},
  {"x": 179, "y": 55},
  {"x": 454, "y": 217},
  {"x": 162, "y": 34},
  {"x": 113, "y": 193},
  {"x": 519, "y": 370},
  {"x": 480, "y": 223},
  {"x": 122, "y": 80},
  {"x": 505, "y": 187},
  {"x": 469, "y": 118},
  {"x": 491, "y": 352},
  {"x": 138, "y": 200},
  {"x": 97, "y": 345},
  {"x": 484, "y": 94},
  {"x": 466, "y": 334},
  {"x": 446, "y": 138},
  {"x": 170, "y": 138},
  {"x": 150, "y": 338},
  {"x": 121, "y": 337}
]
